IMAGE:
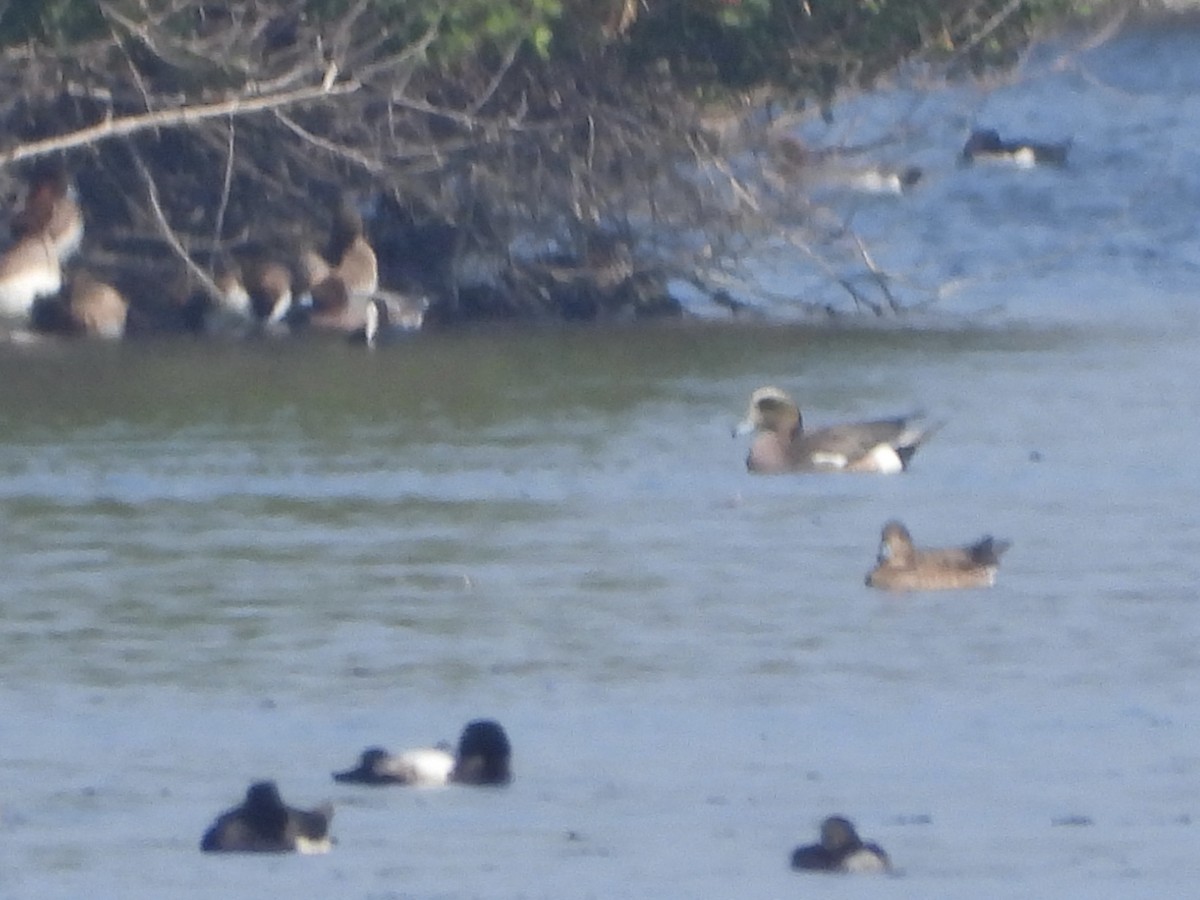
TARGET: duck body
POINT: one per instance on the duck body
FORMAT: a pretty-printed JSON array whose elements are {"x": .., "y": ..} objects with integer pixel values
[
  {"x": 862, "y": 178},
  {"x": 423, "y": 767},
  {"x": 483, "y": 757},
  {"x": 341, "y": 283},
  {"x": 96, "y": 308},
  {"x": 986, "y": 145},
  {"x": 781, "y": 444},
  {"x": 839, "y": 169},
  {"x": 901, "y": 566},
  {"x": 840, "y": 850},
  {"x": 264, "y": 824},
  {"x": 88, "y": 308},
  {"x": 255, "y": 293}
]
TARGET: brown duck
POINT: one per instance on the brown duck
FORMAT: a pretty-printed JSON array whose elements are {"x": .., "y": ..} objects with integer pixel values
[{"x": 904, "y": 567}]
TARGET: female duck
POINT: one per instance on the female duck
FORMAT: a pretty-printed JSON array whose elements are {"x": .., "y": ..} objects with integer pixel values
[
  {"x": 342, "y": 282},
  {"x": 903, "y": 567},
  {"x": 782, "y": 445},
  {"x": 484, "y": 757}
]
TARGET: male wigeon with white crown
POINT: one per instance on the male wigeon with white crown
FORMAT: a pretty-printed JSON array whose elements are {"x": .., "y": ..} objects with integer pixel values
[{"x": 781, "y": 443}]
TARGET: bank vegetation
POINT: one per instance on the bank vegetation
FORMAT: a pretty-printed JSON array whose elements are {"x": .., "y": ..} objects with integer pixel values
[{"x": 515, "y": 158}]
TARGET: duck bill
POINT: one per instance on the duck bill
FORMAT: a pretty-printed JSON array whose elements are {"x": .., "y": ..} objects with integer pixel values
[{"x": 744, "y": 427}]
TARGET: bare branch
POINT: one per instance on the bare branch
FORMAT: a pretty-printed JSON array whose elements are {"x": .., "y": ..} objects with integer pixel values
[{"x": 184, "y": 115}]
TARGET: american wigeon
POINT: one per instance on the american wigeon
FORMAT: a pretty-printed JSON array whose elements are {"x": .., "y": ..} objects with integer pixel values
[
  {"x": 903, "y": 567},
  {"x": 782, "y": 445},
  {"x": 342, "y": 282},
  {"x": 254, "y": 293},
  {"x": 264, "y": 824},
  {"x": 985, "y": 145},
  {"x": 48, "y": 229},
  {"x": 483, "y": 758},
  {"x": 840, "y": 850},
  {"x": 875, "y": 179},
  {"x": 839, "y": 168}
]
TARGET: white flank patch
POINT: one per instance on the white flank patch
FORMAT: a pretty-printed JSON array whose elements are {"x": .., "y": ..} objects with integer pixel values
[
  {"x": 885, "y": 459},
  {"x": 312, "y": 846},
  {"x": 829, "y": 460},
  {"x": 864, "y": 862},
  {"x": 1025, "y": 158},
  {"x": 876, "y": 182},
  {"x": 236, "y": 300},
  {"x": 20, "y": 290},
  {"x": 281, "y": 308},
  {"x": 426, "y": 767}
]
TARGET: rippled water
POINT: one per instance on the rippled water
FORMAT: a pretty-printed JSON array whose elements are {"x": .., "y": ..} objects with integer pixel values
[{"x": 224, "y": 563}]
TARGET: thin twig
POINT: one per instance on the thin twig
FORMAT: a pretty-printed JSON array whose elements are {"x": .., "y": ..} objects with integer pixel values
[
  {"x": 168, "y": 232},
  {"x": 226, "y": 184},
  {"x": 988, "y": 27},
  {"x": 371, "y": 165},
  {"x": 494, "y": 84},
  {"x": 881, "y": 277}
]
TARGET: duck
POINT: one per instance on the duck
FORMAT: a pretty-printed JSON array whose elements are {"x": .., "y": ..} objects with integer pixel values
[
  {"x": 48, "y": 230},
  {"x": 265, "y": 824},
  {"x": 781, "y": 444},
  {"x": 903, "y": 567},
  {"x": 483, "y": 758},
  {"x": 985, "y": 145},
  {"x": 840, "y": 850},
  {"x": 831, "y": 168},
  {"x": 876, "y": 179},
  {"x": 341, "y": 283},
  {"x": 86, "y": 307},
  {"x": 254, "y": 293}
]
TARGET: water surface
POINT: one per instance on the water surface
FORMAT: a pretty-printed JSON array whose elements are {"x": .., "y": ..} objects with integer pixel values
[{"x": 224, "y": 563}]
